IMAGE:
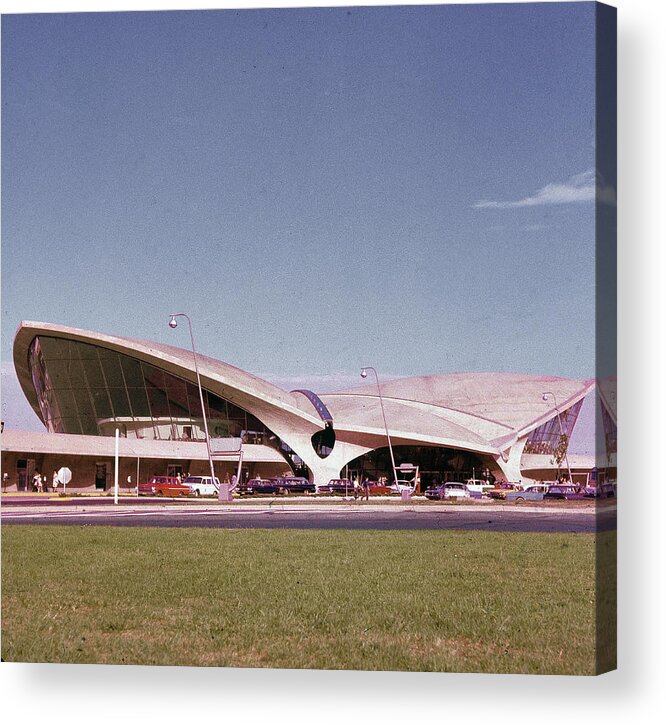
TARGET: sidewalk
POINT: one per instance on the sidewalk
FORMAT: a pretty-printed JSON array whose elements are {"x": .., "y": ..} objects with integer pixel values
[{"x": 295, "y": 504}]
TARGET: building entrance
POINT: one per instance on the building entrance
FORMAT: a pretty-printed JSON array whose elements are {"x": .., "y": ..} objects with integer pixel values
[
  {"x": 437, "y": 464},
  {"x": 100, "y": 476},
  {"x": 25, "y": 470}
]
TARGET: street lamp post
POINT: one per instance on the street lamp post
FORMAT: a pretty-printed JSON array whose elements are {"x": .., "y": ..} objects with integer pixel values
[
  {"x": 364, "y": 374},
  {"x": 173, "y": 323},
  {"x": 559, "y": 420}
]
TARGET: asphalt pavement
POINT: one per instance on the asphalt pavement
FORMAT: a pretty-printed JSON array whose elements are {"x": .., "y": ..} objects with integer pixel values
[{"x": 389, "y": 516}]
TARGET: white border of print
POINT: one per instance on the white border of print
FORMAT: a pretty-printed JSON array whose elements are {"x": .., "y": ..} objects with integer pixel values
[{"x": 72, "y": 694}]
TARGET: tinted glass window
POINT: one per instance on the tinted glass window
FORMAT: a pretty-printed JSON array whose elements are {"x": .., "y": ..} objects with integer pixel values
[
  {"x": 119, "y": 403},
  {"x": 93, "y": 373},
  {"x": 79, "y": 385},
  {"x": 132, "y": 372},
  {"x": 139, "y": 402},
  {"x": 101, "y": 403},
  {"x": 159, "y": 405},
  {"x": 112, "y": 372}
]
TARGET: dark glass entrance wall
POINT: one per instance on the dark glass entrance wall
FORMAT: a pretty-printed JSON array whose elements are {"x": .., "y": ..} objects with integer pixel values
[
  {"x": 436, "y": 464},
  {"x": 90, "y": 390}
]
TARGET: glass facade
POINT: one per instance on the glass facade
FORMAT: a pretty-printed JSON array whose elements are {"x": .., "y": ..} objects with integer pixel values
[
  {"x": 546, "y": 439},
  {"x": 610, "y": 431},
  {"x": 90, "y": 390}
]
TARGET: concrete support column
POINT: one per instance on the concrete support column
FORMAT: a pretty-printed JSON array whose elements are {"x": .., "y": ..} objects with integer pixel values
[{"x": 509, "y": 462}]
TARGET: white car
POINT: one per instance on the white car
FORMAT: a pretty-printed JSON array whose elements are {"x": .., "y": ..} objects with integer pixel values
[
  {"x": 456, "y": 490},
  {"x": 202, "y": 485},
  {"x": 401, "y": 487},
  {"x": 478, "y": 485}
]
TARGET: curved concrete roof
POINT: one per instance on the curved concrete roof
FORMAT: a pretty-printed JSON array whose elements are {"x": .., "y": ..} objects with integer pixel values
[
  {"x": 246, "y": 390},
  {"x": 476, "y": 411},
  {"x": 488, "y": 410}
]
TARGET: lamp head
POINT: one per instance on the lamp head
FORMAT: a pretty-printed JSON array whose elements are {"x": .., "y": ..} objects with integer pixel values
[
  {"x": 364, "y": 373},
  {"x": 173, "y": 322},
  {"x": 544, "y": 396}
]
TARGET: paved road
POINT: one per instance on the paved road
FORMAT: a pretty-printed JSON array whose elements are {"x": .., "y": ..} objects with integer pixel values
[{"x": 399, "y": 519}]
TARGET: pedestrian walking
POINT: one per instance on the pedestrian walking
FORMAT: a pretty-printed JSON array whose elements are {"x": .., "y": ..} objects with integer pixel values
[
  {"x": 356, "y": 487},
  {"x": 55, "y": 482},
  {"x": 366, "y": 488}
]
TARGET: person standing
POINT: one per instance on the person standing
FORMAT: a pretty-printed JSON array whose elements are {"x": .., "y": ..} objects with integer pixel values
[
  {"x": 366, "y": 488},
  {"x": 356, "y": 487},
  {"x": 55, "y": 482}
]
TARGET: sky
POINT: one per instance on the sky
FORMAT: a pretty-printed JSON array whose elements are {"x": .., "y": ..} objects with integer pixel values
[{"x": 319, "y": 189}]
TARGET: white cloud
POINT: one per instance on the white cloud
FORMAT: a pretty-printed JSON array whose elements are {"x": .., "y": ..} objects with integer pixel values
[{"x": 579, "y": 188}]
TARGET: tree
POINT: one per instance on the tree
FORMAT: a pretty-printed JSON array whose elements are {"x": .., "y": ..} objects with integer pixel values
[{"x": 560, "y": 452}]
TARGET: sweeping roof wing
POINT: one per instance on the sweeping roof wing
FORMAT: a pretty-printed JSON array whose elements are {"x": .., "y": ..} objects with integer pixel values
[
  {"x": 491, "y": 407},
  {"x": 232, "y": 383},
  {"x": 481, "y": 411}
]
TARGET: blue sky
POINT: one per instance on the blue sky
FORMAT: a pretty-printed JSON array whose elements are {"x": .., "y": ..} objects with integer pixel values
[{"x": 407, "y": 187}]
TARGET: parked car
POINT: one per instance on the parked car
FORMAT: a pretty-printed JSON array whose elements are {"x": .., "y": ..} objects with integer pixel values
[
  {"x": 294, "y": 484},
  {"x": 531, "y": 493},
  {"x": 500, "y": 492},
  {"x": 609, "y": 489},
  {"x": 541, "y": 485},
  {"x": 569, "y": 493},
  {"x": 202, "y": 485},
  {"x": 259, "y": 486},
  {"x": 453, "y": 489},
  {"x": 340, "y": 486},
  {"x": 435, "y": 492},
  {"x": 400, "y": 486},
  {"x": 378, "y": 489},
  {"x": 605, "y": 490},
  {"x": 164, "y": 486},
  {"x": 477, "y": 485}
]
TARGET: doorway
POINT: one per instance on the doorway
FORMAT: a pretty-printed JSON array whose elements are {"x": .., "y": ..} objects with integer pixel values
[
  {"x": 25, "y": 470},
  {"x": 100, "y": 476}
]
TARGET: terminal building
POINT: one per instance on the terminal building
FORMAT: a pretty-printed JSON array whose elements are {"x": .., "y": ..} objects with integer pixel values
[{"x": 85, "y": 385}]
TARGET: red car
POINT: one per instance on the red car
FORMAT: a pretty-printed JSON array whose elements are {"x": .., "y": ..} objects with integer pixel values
[
  {"x": 378, "y": 489},
  {"x": 164, "y": 486}
]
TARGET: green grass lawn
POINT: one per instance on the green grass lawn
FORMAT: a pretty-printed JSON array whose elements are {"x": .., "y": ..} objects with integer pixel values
[{"x": 372, "y": 600}]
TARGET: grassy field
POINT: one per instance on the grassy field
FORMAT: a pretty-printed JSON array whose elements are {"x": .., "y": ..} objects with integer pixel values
[{"x": 372, "y": 600}]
